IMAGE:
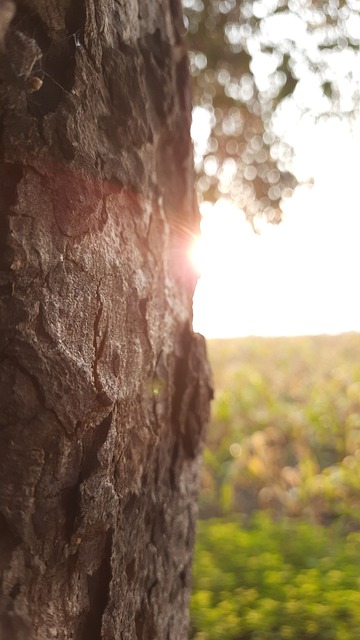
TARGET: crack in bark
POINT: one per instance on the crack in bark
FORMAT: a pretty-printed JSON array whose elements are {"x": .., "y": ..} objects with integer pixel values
[
  {"x": 97, "y": 437},
  {"x": 98, "y": 594},
  {"x": 99, "y": 344}
]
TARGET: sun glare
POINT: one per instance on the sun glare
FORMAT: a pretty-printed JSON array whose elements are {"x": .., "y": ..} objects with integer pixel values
[{"x": 197, "y": 254}]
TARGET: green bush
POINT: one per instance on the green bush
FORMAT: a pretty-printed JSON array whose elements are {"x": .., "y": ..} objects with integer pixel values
[{"x": 275, "y": 580}]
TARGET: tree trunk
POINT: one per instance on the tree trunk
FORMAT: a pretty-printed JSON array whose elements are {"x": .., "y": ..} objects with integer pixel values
[{"x": 104, "y": 387}]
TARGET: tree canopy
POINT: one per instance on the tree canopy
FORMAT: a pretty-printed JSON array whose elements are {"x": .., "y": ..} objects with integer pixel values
[{"x": 252, "y": 62}]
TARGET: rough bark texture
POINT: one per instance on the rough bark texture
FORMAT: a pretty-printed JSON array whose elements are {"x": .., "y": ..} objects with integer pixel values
[{"x": 104, "y": 387}]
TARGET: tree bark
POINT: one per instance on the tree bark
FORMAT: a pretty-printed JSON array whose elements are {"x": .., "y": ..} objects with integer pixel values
[{"x": 104, "y": 387}]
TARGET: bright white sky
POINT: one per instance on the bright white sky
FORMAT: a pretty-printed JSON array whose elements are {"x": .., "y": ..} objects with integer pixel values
[{"x": 300, "y": 277}]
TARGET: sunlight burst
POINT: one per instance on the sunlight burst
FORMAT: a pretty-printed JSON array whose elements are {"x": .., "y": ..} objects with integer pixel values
[{"x": 198, "y": 254}]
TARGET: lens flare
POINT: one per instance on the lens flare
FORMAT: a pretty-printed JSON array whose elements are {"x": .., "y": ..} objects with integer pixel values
[{"x": 198, "y": 255}]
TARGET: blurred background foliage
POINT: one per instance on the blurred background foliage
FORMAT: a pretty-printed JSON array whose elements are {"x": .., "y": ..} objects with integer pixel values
[
  {"x": 252, "y": 63},
  {"x": 278, "y": 544},
  {"x": 285, "y": 429},
  {"x": 291, "y": 582}
]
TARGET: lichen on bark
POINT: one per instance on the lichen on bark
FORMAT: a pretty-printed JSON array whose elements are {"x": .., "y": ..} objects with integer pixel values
[{"x": 104, "y": 387}]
